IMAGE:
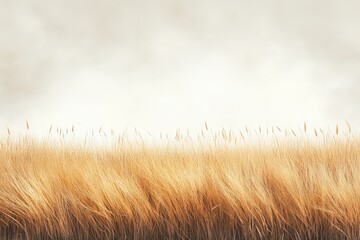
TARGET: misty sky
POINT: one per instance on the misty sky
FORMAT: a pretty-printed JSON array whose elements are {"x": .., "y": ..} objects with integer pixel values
[{"x": 161, "y": 65}]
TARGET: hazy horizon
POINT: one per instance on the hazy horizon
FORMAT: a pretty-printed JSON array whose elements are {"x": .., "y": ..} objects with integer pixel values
[{"x": 161, "y": 65}]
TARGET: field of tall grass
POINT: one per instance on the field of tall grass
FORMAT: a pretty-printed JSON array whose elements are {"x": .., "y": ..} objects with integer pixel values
[{"x": 285, "y": 188}]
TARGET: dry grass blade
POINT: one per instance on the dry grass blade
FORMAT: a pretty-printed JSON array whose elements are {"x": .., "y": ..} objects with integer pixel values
[
  {"x": 302, "y": 190},
  {"x": 348, "y": 125}
]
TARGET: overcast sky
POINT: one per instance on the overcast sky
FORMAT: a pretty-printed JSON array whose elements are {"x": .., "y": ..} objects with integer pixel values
[{"x": 161, "y": 65}]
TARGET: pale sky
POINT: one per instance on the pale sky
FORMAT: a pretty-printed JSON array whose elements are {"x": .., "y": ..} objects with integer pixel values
[{"x": 162, "y": 65}]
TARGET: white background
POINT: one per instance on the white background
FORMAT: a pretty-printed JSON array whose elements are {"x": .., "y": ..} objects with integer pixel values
[{"x": 162, "y": 65}]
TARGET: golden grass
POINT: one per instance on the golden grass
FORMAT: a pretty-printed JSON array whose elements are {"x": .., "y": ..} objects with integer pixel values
[{"x": 297, "y": 190}]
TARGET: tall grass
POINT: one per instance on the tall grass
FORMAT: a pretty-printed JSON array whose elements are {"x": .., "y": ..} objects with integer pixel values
[{"x": 283, "y": 190}]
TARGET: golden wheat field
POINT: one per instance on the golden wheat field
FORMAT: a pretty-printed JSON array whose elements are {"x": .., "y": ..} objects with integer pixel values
[{"x": 291, "y": 189}]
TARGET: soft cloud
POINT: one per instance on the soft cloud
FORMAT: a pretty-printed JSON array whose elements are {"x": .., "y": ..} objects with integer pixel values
[{"x": 162, "y": 65}]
